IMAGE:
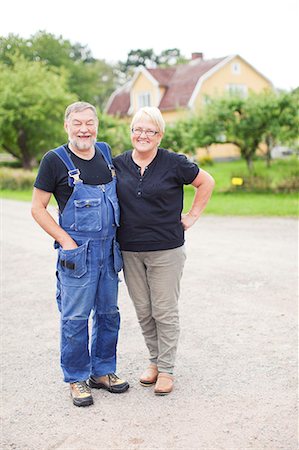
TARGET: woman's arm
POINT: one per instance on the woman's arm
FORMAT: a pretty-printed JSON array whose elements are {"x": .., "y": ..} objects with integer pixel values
[{"x": 204, "y": 184}]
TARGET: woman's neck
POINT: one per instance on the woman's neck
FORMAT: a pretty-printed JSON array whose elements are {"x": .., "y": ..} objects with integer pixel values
[{"x": 143, "y": 158}]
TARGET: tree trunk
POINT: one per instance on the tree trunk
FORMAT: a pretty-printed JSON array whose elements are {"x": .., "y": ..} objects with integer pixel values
[
  {"x": 270, "y": 145},
  {"x": 249, "y": 162},
  {"x": 27, "y": 160}
]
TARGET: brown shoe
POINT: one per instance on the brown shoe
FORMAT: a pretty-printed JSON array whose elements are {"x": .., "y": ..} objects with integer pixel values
[
  {"x": 110, "y": 382},
  {"x": 164, "y": 384},
  {"x": 81, "y": 394},
  {"x": 149, "y": 376}
]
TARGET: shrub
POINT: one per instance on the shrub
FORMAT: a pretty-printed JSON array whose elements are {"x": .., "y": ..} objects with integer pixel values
[
  {"x": 289, "y": 185},
  {"x": 16, "y": 179},
  {"x": 206, "y": 161},
  {"x": 263, "y": 184}
]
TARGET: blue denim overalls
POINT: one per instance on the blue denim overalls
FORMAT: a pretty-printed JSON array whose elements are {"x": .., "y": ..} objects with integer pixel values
[{"x": 88, "y": 275}]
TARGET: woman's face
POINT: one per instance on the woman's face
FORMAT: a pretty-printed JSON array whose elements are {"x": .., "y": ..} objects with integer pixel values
[{"x": 145, "y": 136}]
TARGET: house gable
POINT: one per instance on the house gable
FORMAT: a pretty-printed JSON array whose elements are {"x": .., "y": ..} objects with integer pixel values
[
  {"x": 184, "y": 87},
  {"x": 233, "y": 74},
  {"x": 145, "y": 90}
]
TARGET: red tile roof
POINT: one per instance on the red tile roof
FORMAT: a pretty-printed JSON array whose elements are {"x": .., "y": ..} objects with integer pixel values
[
  {"x": 179, "y": 81},
  {"x": 119, "y": 102},
  {"x": 162, "y": 75},
  {"x": 183, "y": 82}
]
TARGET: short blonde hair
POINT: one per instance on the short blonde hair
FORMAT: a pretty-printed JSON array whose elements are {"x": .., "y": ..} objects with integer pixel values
[
  {"x": 152, "y": 113},
  {"x": 78, "y": 107}
]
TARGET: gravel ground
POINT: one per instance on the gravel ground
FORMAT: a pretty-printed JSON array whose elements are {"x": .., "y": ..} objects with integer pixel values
[{"x": 236, "y": 374}]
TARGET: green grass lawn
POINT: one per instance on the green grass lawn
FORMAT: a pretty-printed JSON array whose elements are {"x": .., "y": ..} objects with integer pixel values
[
  {"x": 247, "y": 204},
  {"x": 239, "y": 203},
  {"x": 278, "y": 171}
]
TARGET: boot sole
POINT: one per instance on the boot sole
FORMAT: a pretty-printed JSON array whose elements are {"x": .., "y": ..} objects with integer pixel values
[
  {"x": 147, "y": 384},
  {"x": 80, "y": 403}
]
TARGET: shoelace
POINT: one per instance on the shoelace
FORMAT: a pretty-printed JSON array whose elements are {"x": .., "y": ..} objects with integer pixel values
[
  {"x": 83, "y": 388},
  {"x": 112, "y": 377}
]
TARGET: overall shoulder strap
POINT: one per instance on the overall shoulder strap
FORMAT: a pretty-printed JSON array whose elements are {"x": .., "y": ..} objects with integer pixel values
[
  {"x": 74, "y": 173},
  {"x": 104, "y": 148},
  {"x": 64, "y": 156}
]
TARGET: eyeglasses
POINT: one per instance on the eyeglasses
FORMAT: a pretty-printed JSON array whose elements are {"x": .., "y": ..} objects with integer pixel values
[{"x": 148, "y": 133}]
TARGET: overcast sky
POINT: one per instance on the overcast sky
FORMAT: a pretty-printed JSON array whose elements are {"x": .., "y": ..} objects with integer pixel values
[{"x": 263, "y": 32}]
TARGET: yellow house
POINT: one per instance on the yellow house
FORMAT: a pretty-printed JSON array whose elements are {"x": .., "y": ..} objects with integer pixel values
[{"x": 179, "y": 91}]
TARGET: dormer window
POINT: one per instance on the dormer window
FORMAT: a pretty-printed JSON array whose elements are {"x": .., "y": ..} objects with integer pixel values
[{"x": 236, "y": 69}]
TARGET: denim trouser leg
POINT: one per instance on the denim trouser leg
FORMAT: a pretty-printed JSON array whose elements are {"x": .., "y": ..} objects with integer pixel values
[
  {"x": 106, "y": 322},
  {"x": 96, "y": 289},
  {"x": 75, "y": 360}
]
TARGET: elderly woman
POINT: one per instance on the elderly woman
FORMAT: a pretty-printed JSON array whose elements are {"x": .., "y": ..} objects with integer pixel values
[{"x": 151, "y": 237}]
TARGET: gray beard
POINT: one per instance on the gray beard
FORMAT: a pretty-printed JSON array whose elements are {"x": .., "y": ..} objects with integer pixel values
[{"x": 81, "y": 146}]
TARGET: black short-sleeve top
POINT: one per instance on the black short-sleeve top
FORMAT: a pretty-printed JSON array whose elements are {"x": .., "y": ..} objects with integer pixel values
[
  {"x": 53, "y": 175},
  {"x": 151, "y": 204}
]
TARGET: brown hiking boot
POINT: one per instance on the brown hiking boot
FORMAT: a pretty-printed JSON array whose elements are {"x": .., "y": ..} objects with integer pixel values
[
  {"x": 110, "y": 382},
  {"x": 81, "y": 394}
]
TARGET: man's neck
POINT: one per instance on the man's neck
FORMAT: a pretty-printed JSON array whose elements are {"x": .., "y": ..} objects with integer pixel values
[{"x": 83, "y": 154}]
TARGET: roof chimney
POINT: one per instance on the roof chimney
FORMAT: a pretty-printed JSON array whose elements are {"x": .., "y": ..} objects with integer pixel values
[{"x": 197, "y": 55}]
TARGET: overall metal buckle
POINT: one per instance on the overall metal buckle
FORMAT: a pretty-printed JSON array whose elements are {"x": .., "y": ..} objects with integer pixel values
[{"x": 75, "y": 174}]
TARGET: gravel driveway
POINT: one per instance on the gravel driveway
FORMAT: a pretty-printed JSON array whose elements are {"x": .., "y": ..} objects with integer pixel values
[{"x": 236, "y": 374}]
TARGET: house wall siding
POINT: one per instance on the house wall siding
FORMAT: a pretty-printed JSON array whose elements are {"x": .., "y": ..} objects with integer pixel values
[
  {"x": 141, "y": 85},
  {"x": 216, "y": 85}
]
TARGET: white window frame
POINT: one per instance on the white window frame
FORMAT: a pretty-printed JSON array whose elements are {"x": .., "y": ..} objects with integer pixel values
[
  {"x": 236, "y": 68},
  {"x": 235, "y": 88},
  {"x": 144, "y": 99}
]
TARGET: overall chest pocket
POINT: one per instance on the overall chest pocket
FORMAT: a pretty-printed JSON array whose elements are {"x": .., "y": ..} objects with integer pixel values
[{"x": 88, "y": 215}]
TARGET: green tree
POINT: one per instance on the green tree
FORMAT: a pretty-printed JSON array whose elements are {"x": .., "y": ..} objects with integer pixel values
[
  {"x": 240, "y": 121},
  {"x": 148, "y": 58},
  {"x": 207, "y": 129},
  {"x": 116, "y": 132},
  {"x": 90, "y": 79},
  {"x": 33, "y": 98},
  {"x": 170, "y": 57},
  {"x": 179, "y": 137},
  {"x": 138, "y": 58},
  {"x": 281, "y": 114}
]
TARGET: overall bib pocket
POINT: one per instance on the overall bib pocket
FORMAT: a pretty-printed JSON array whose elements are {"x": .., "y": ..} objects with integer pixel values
[
  {"x": 88, "y": 215},
  {"x": 117, "y": 257},
  {"x": 72, "y": 264}
]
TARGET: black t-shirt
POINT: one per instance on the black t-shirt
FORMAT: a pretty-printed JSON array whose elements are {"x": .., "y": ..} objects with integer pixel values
[
  {"x": 53, "y": 175},
  {"x": 151, "y": 204}
]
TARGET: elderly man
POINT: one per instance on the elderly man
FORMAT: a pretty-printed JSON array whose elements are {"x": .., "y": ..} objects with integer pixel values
[{"x": 81, "y": 177}]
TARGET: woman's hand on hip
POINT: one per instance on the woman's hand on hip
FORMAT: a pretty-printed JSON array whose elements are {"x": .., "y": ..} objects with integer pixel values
[{"x": 188, "y": 220}]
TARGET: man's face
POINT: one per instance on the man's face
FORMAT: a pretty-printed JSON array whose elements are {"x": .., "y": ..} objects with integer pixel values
[{"x": 82, "y": 129}]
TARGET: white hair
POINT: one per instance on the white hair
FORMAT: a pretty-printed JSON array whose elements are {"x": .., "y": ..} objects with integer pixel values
[
  {"x": 151, "y": 112},
  {"x": 78, "y": 107}
]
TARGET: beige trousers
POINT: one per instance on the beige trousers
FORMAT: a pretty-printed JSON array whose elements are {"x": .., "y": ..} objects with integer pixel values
[{"x": 153, "y": 282}]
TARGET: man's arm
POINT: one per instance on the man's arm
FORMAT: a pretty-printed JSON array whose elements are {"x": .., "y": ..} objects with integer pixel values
[
  {"x": 40, "y": 201},
  {"x": 204, "y": 184}
]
